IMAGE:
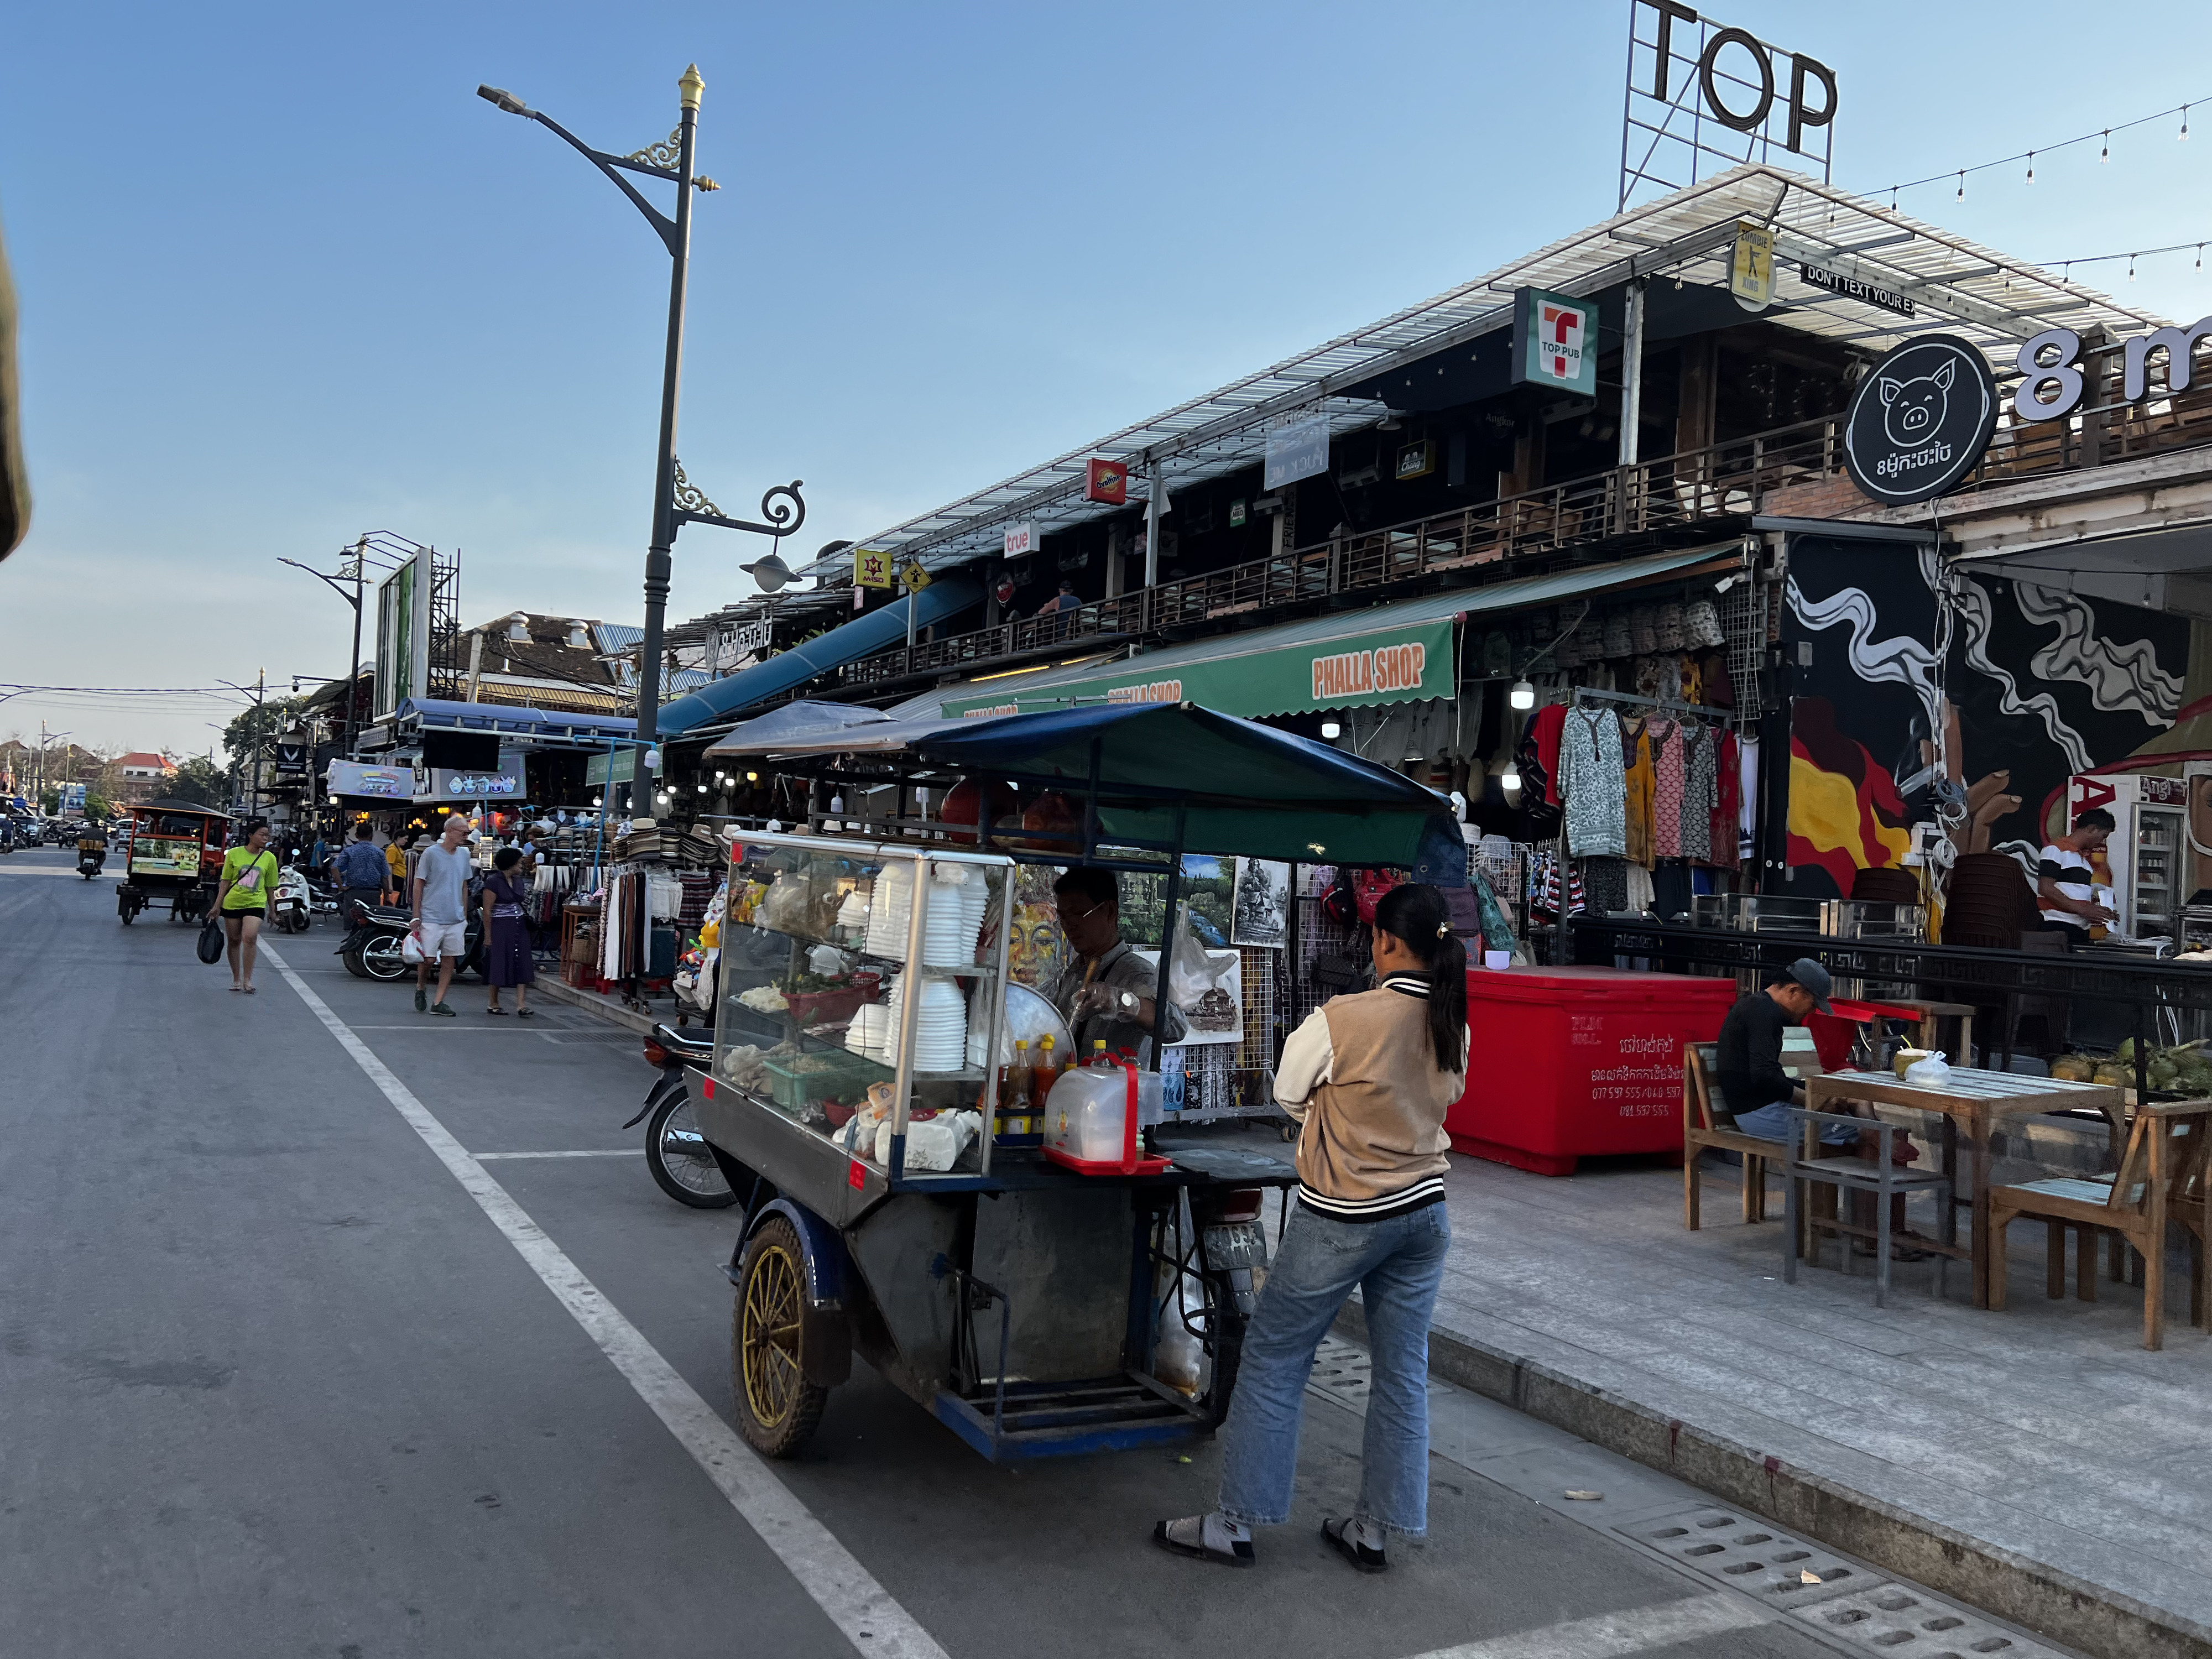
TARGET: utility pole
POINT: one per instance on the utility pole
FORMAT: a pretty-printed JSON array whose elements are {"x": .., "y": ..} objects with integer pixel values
[{"x": 260, "y": 737}]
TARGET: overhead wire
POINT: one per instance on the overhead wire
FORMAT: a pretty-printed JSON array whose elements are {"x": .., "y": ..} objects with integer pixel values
[{"x": 2103, "y": 133}]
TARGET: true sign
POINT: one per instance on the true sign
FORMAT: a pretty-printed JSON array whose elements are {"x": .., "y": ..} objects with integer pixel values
[
  {"x": 1555, "y": 342},
  {"x": 1919, "y": 421},
  {"x": 1022, "y": 539},
  {"x": 1296, "y": 449},
  {"x": 2050, "y": 387},
  {"x": 1749, "y": 109}
]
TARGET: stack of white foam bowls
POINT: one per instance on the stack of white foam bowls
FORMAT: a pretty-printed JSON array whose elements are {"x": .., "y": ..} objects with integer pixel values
[
  {"x": 890, "y": 908},
  {"x": 940, "y": 1042}
]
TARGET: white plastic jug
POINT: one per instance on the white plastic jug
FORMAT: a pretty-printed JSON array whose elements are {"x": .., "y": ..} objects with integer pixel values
[{"x": 1086, "y": 1114}]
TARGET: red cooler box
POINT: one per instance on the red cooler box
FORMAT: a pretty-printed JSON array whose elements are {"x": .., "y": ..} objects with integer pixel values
[{"x": 1574, "y": 1062}]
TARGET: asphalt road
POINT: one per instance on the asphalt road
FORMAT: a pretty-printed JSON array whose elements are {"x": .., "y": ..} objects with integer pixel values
[{"x": 275, "y": 1383}]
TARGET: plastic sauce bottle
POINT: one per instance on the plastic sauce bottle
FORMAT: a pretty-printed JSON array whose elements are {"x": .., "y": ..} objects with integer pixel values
[
  {"x": 1016, "y": 1095},
  {"x": 1044, "y": 1075},
  {"x": 1098, "y": 1055}
]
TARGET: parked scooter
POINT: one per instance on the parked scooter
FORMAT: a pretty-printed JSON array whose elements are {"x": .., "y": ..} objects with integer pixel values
[
  {"x": 681, "y": 1163},
  {"x": 290, "y": 908},
  {"x": 375, "y": 933}
]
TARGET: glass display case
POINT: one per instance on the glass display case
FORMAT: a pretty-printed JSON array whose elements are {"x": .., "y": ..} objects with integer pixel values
[{"x": 863, "y": 990}]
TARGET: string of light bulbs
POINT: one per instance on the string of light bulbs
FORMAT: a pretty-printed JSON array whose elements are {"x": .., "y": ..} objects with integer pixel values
[{"x": 2102, "y": 136}]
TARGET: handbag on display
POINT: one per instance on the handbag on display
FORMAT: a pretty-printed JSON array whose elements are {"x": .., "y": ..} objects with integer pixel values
[
  {"x": 1701, "y": 624},
  {"x": 1668, "y": 626}
]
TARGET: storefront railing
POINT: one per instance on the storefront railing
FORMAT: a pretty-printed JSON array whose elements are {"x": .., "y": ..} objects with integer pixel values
[{"x": 1717, "y": 486}]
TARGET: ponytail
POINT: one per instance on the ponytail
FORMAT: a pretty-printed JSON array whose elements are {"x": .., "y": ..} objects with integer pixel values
[{"x": 1415, "y": 914}]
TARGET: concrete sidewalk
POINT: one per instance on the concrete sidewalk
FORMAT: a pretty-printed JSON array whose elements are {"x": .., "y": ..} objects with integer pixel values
[{"x": 2037, "y": 1463}]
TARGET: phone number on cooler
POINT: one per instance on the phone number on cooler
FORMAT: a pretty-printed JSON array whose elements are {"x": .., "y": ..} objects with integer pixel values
[{"x": 1631, "y": 1106}]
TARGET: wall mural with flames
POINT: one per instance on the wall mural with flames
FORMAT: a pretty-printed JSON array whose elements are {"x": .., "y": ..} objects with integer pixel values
[{"x": 2028, "y": 685}]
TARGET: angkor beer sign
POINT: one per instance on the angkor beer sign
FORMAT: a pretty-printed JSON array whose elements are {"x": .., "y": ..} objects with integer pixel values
[
  {"x": 2051, "y": 383},
  {"x": 1919, "y": 422}
]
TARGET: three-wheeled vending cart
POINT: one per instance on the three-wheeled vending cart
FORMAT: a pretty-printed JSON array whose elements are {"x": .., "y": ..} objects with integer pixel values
[
  {"x": 1044, "y": 1291},
  {"x": 172, "y": 848}
]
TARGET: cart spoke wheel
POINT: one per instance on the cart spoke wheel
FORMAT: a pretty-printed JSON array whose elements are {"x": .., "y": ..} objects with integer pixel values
[{"x": 777, "y": 1407}]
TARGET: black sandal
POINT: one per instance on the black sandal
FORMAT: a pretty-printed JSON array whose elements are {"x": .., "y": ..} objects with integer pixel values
[
  {"x": 1359, "y": 1554},
  {"x": 1241, "y": 1550}
]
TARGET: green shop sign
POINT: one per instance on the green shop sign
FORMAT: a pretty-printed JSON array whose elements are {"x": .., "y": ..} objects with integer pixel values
[{"x": 1405, "y": 664}]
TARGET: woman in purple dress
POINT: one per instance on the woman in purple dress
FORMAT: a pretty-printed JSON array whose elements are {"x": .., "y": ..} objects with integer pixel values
[{"x": 507, "y": 941}]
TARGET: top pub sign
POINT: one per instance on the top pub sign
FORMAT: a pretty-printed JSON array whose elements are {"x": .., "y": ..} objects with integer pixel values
[{"x": 1704, "y": 97}]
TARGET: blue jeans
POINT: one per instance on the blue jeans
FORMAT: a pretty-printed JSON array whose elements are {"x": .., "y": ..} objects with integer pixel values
[
  {"x": 1772, "y": 1123},
  {"x": 1397, "y": 1265}
]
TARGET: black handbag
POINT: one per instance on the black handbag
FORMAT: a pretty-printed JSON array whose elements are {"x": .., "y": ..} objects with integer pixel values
[{"x": 211, "y": 940}]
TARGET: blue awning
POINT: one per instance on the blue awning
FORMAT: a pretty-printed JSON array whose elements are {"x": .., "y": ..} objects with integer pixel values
[
  {"x": 945, "y": 597},
  {"x": 548, "y": 726}
]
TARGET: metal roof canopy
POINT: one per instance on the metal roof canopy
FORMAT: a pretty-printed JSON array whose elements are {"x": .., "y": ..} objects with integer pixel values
[
  {"x": 1586, "y": 579},
  {"x": 1957, "y": 285},
  {"x": 521, "y": 724}
]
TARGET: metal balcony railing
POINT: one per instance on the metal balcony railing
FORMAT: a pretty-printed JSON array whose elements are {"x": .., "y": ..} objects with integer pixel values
[{"x": 1669, "y": 493}]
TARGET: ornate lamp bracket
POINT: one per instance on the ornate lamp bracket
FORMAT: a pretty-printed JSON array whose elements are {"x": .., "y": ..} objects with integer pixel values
[{"x": 782, "y": 507}]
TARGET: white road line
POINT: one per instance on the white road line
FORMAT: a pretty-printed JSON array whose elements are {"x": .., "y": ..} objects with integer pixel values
[
  {"x": 1615, "y": 1635},
  {"x": 617, "y": 1151},
  {"x": 844, "y": 1589}
]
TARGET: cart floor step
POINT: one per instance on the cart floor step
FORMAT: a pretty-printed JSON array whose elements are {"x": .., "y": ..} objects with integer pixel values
[{"x": 1050, "y": 1420}]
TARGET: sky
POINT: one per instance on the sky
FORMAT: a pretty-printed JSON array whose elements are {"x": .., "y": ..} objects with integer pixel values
[{"x": 285, "y": 279}]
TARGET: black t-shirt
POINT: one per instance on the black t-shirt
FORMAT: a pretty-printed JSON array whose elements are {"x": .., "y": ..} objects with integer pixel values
[{"x": 1747, "y": 1058}]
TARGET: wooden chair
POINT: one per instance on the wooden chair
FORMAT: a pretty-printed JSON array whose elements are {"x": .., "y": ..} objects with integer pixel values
[
  {"x": 2165, "y": 1150},
  {"x": 2185, "y": 1204},
  {"x": 1699, "y": 1132}
]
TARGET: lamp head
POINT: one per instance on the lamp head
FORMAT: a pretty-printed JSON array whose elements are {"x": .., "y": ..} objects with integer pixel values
[
  {"x": 506, "y": 99},
  {"x": 691, "y": 87},
  {"x": 770, "y": 572},
  {"x": 1522, "y": 695}
]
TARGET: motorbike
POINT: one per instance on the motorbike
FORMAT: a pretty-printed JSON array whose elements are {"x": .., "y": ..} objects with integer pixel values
[
  {"x": 375, "y": 932},
  {"x": 290, "y": 908},
  {"x": 90, "y": 855},
  {"x": 681, "y": 1163}
]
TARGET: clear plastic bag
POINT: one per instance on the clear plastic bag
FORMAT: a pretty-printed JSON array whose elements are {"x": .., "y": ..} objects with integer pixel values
[
  {"x": 1932, "y": 1073},
  {"x": 1191, "y": 972}
]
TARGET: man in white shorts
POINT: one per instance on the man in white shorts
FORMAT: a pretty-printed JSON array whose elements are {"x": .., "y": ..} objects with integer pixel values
[{"x": 441, "y": 900}]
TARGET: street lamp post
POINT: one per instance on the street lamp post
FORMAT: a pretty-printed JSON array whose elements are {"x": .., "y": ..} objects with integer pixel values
[
  {"x": 353, "y": 663},
  {"x": 676, "y": 500}
]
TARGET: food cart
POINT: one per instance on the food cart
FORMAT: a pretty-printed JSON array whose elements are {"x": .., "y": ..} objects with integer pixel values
[
  {"x": 174, "y": 848},
  {"x": 1040, "y": 1299}
]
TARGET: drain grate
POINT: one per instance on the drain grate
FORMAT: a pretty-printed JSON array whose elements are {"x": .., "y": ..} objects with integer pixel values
[
  {"x": 1891, "y": 1619},
  {"x": 1746, "y": 1555},
  {"x": 1342, "y": 1372}
]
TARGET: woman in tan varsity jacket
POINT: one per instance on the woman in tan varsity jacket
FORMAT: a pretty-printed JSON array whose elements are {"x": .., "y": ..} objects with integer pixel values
[{"x": 1369, "y": 1078}]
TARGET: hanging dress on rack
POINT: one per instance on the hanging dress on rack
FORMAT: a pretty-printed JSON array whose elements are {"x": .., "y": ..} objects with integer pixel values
[
  {"x": 1726, "y": 804},
  {"x": 1636, "y": 751},
  {"x": 1700, "y": 793},
  {"x": 1666, "y": 793},
  {"x": 1596, "y": 785}
]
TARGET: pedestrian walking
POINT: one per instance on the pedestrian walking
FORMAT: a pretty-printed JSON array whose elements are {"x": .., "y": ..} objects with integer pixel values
[
  {"x": 1369, "y": 1077},
  {"x": 363, "y": 873},
  {"x": 396, "y": 861},
  {"x": 241, "y": 900},
  {"x": 507, "y": 937},
  {"x": 439, "y": 898}
]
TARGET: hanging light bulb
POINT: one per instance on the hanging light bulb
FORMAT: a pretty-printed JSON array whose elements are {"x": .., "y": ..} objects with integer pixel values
[
  {"x": 2031, "y": 166},
  {"x": 2105, "y": 155},
  {"x": 1522, "y": 695},
  {"x": 2132, "y": 267},
  {"x": 1331, "y": 730},
  {"x": 2183, "y": 135},
  {"x": 596, "y": 800},
  {"x": 2200, "y": 256},
  {"x": 1962, "y": 183},
  {"x": 1510, "y": 779}
]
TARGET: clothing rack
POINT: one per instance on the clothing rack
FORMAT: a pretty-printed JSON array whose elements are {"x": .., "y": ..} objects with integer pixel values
[{"x": 1696, "y": 710}]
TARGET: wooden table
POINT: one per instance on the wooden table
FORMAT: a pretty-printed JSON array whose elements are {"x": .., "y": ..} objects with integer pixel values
[{"x": 1975, "y": 1100}]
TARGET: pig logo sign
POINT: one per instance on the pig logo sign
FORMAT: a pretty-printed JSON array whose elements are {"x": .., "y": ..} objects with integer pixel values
[{"x": 1919, "y": 422}]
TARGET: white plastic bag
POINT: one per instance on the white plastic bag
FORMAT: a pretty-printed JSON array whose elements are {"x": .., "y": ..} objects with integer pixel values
[
  {"x": 1192, "y": 972},
  {"x": 410, "y": 948},
  {"x": 1932, "y": 1073}
]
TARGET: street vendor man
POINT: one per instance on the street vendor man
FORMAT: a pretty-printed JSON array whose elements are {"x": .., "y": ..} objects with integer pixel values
[{"x": 1106, "y": 992}]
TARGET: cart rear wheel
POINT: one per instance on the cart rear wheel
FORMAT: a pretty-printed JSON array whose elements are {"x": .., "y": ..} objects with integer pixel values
[{"x": 777, "y": 1407}]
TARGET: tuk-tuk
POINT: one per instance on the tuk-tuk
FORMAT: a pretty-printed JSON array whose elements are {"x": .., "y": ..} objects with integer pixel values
[{"x": 174, "y": 848}]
